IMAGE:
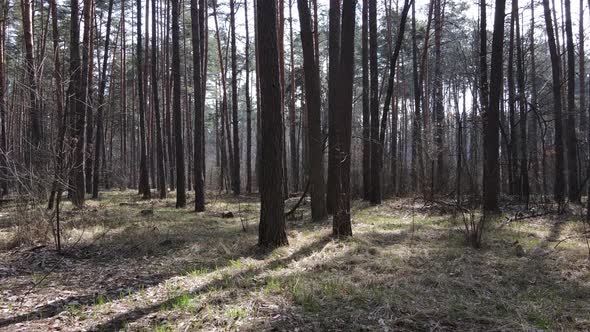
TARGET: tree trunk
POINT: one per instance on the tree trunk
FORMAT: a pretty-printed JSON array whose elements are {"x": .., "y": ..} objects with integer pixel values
[
  {"x": 199, "y": 175},
  {"x": 582, "y": 75},
  {"x": 234, "y": 103},
  {"x": 523, "y": 182},
  {"x": 99, "y": 141},
  {"x": 559, "y": 186},
  {"x": 390, "y": 82},
  {"x": 334, "y": 54},
  {"x": 225, "y": 133},
  {"x": 491, "y": 168},
  {"x": 3, "y": 117},
  {"x": 341, "y": 226},
  {"x": 366, "y": 104},
  {"x": 31, "y": 79},
  {"x": 76, "y": 106},
  {"x": 249, "y": 104},
  {"x": 88, "y": 79},
  {"x": 417, "y": 157},
  {"x": 271, "y": 231},
  {"x": 176, "y": 108},
  {"x": 144, "y": 177},
  {"x": 571, "y": 139},
  {"x": 313, "y": 101},
  {"x": 512, "y": 152},
  {"x": 533, "y": 127},
  {"x": 61, "y": 116},
  {"x": 160, "y": 151},
  {"x": 292, "y": 118},
  {"x": 438, "y": 98},
  {"x": 374, "y": 83}
]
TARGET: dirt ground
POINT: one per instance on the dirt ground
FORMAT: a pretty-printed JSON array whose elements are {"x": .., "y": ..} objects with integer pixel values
[{"x": 139, "y": 265}]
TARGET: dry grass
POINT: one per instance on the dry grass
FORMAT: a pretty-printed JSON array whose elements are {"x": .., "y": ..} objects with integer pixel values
[{"x": 406, "y": 268}]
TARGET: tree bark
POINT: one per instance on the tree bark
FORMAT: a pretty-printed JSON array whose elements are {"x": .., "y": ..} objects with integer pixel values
[
  {"x": 144, "y": 177},
  {"x": 176, "y": 108},
  {"x": 390, "y": 83},
  {"x": 160, "y": 150},
  {"x": 334, "y": 55},
  {"x": 341, "y": 226},
  {"x": 3, "y": 117},
  {"x": 234, "y": 103},
  {"x": 417, "y": 168},
  {"x": 271, "y": 231},
  {"x": 374, "y": 83},
  {"x": 559, "y": 185},
  {"x": 99, "y": 141},
  {"x": 533, "y": 128},
  {"x": 249, "y": 103},
  {"x": 313, "y": 101},
  {"x": 31, "y": 79},
  {"x": 523, "y": 188},
  {"x": 76, "y": 106},
  {"x": 571, "y": 139},
  {"x": 199, "y": 175},
  {"x": 438, "y": 98},
  {"x": 366, "y": 164},
  {"x": 491, "y": 168}
]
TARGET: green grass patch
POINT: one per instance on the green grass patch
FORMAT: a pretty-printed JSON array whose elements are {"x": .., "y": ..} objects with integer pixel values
[
  {"x": 235, "y": 313},
  {"x": 273, "y": 285}
]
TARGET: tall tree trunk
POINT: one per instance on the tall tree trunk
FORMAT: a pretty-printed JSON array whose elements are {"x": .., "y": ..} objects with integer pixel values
[
  {"x": 271, "y": 231},
  {"x": 204, "y": 34},
  {"x": 88, "y": 78},
  {"x": 341, "y": 222},
  {"x": 513, "y": 141},
  {"x": 417, "y": 157},
  {"x": 571, "y": 139},
  {"x": 168, "y": 95},
  {"x": 31, "y": 81},
  {"x": 374, "y": 83},
  {"x": 533, "y": 127},
  {"x": 176, "y": 108},
  {"x": 438, "y": 97},
  {"x": 281, "y": 45},
  {"x": 334, "y": 55},
  {"x": 249, "y": 104},
  {"x": 225, "y": 133},
  {"x": 234, "y": 103},
  {"x": 390, "y": 82},
  {"x": 199, "y": 175},
  {"x": 160, "y": 151},
  {"x": 292, "y": 125},
  {"x": 366, "y": 104},
  {"x": 144, "y": 177},
  {"x": 3, "y": 117},
  {"x": 582, "y": 74},
  {"x": 491, "y": 169},
  {"x": 559, "y": 186},
  {"x": 313, "y": 101},
  {"x": 523, "y": 189},
  {"x": 61, "y": 116},
  {"x": 124, "y": 117},
  {"x": 99, "y": 141},
  {"x": 76, "y": 106}
]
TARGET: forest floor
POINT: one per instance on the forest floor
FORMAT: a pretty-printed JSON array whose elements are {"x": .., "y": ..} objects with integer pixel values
[{"x": 144, "y": 265}]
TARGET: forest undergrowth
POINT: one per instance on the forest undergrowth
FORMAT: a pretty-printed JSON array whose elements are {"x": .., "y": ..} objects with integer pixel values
[{"x": 137, "y": 265}]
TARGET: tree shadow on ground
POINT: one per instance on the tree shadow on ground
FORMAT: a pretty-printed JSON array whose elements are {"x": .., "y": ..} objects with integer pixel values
[
  {"x": 445, "y": 287},
  {"x": 116, "y": 267},
  {"x": 121, "y": 320}
]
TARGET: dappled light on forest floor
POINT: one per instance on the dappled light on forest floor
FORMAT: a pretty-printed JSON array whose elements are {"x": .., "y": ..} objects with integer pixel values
[{"x": 404, "y": 269}]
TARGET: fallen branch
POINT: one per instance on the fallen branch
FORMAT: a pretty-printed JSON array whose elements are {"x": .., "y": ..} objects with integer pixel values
[
  {"x": 522, "y": 217},
  {"x": 294, "y": 208}
]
